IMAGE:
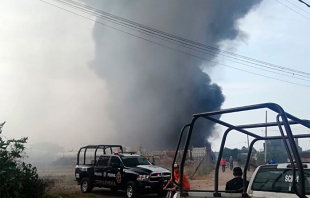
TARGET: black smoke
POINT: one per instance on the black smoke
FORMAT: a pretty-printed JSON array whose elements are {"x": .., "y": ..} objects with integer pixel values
[{"x": 154, "y": 90}]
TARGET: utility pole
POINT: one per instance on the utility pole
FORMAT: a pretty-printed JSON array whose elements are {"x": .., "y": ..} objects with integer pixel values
[
  {"x": 251, "y": 152},
  {"x": 248, "y": 142},
  {"x": 266, "y": 140}
]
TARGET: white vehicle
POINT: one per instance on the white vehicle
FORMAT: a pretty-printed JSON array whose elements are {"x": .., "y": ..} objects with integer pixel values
[
  {"x": 276, "y": 181},
  {"x": 268, "y": 181}
]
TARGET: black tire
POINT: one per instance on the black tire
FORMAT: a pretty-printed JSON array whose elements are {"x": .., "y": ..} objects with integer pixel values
[
  {"x": 114, "y": 189},
  {"x": 162, "y": 193},
  {"x": 86, "y": 186},
  {"x": 131, "y": 190}
]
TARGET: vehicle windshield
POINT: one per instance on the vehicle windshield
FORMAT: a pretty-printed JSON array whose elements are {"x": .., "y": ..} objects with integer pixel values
[
  {"x": 278, "y": 180},
  {"x": 131, "y": 161}
]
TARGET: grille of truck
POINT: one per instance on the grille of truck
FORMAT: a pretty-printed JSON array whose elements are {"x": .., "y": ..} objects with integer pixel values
[{"x": 155, "y": 177}]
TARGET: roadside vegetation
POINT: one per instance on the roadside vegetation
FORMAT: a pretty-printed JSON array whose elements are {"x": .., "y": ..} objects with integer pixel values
[{"x": 18, "y": 179}]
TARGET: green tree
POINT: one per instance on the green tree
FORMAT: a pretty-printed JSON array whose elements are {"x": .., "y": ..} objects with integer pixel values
[
  {"x": 245, "y": 150},
  {"x": 280, "y": 156},
  {"x": 18, "y": 179},
  {"x": 227, "y": 152}
]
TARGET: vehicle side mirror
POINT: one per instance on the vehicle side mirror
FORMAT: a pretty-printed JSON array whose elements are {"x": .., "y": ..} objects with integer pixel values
[
  {"x": 116, "y": 165},
  {"x": 153, "y": 163}
]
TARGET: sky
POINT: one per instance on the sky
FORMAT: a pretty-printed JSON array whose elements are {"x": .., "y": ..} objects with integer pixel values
[
  {"x": 276, "y": 35},
  {"x": 49, "y": 92}
]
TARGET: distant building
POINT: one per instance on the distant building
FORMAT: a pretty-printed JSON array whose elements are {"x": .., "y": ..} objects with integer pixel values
[
  {"x": 198, "y": 153},
  {"x": 305, "y": 156}
]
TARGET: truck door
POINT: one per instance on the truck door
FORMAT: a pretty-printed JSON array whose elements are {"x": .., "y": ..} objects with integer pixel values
[
  {"x": 101, "y": 171},
  {"x": 115, "y": 172}
]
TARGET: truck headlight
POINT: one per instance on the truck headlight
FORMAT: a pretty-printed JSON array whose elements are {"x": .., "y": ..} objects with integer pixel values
[{"x": 143, "y": 178}]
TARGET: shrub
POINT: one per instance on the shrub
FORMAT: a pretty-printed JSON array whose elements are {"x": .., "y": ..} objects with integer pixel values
[{"x": 18, "y": 179}]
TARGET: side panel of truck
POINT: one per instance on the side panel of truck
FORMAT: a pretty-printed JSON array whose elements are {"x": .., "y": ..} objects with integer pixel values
[{"x": 207, "y": 195}]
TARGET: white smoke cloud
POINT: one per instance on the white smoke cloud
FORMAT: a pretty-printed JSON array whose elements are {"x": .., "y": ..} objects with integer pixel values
[{"x": 48, "y": 92}]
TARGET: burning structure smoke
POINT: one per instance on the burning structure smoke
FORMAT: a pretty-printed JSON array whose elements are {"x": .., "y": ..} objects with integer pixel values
[{"x": 154, "y": 90}]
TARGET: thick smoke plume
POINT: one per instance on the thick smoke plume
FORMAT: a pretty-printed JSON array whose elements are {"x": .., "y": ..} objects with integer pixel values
[{"x": 154, "y": 90}]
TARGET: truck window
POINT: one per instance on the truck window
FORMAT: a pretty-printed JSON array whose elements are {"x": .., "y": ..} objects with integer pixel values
[
  {"x": 115, "y": 160},
  {"x": 103, "y": 161},
  {"x": 81, "y": 156},
  {"x": 131, "y": 161},
  {"x": 277, "y": 180},
  {"x": 99, "y": 153},
  {"x": 89, "y": 157}
]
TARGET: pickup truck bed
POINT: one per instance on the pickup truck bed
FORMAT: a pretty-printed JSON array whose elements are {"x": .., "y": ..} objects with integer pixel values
[{"x": 268, "y": 181}]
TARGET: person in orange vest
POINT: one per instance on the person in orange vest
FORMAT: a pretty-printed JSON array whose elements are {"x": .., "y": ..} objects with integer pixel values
[
  {"x": 185, "y": 186},
  {"x": 223, "y": 164}
]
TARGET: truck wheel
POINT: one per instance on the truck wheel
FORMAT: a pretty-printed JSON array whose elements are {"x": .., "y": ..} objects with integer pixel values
[
  {"x": 86, "y": 186},
  {"x": 131, "y": 190},
  {"x": 162, "y": 193}
]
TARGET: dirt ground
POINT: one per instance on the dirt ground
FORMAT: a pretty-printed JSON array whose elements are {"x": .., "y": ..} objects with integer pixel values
[{"x": 66, "y": 185}]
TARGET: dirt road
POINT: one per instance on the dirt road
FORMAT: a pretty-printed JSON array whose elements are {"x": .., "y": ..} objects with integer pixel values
[
  {"x": 67, "y": 187},
  {"x": 207, "y": 182}
]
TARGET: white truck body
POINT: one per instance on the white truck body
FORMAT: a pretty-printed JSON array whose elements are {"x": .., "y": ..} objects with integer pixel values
[{"x": 268, "y": 181}]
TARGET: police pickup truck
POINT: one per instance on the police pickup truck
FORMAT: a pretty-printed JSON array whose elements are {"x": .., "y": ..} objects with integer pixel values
[
  {"x": 268, "y": 181},
  {"x": 108, "y": 166}
]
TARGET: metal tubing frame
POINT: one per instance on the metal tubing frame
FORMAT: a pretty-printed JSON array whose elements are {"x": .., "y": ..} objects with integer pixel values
[
  {"x": 272, "y": 106},
  {"x": 190, "y": 129},
  {"x": 291, "y": 160},
  {"x": 224, "y": 140},
  {"x": 294, "y": 149},
  {"x": 175, "y": 156},
  {"x": 217, "y": 166},
  {"x": 247, "y": 164},
  {"x": 104, "y": 147},
  {"x": 249, "y": 152},
  {"x": 251, "y": 148}
]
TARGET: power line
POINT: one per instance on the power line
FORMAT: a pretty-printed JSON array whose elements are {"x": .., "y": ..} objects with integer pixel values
[
  {"x": 292, "y": 74},
  {"x": 173, "y": 48},
  {"x": 297, "y": 6},
  {"x": 172, "y": 38},
  {"x": 293, "y": 10},
  {"x": 304, "y": 130}
]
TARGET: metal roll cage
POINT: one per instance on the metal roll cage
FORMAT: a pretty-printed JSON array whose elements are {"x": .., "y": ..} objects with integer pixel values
[
  {"x": 96, "y": 147},
  {"x": 292, "y": 150}
]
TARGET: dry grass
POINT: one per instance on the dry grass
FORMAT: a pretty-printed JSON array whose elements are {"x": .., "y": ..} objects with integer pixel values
[{"x": 66, "y": 186}]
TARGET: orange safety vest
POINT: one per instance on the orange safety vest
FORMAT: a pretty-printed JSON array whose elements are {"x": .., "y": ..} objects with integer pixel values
[{"x": 186, "y": 185}]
